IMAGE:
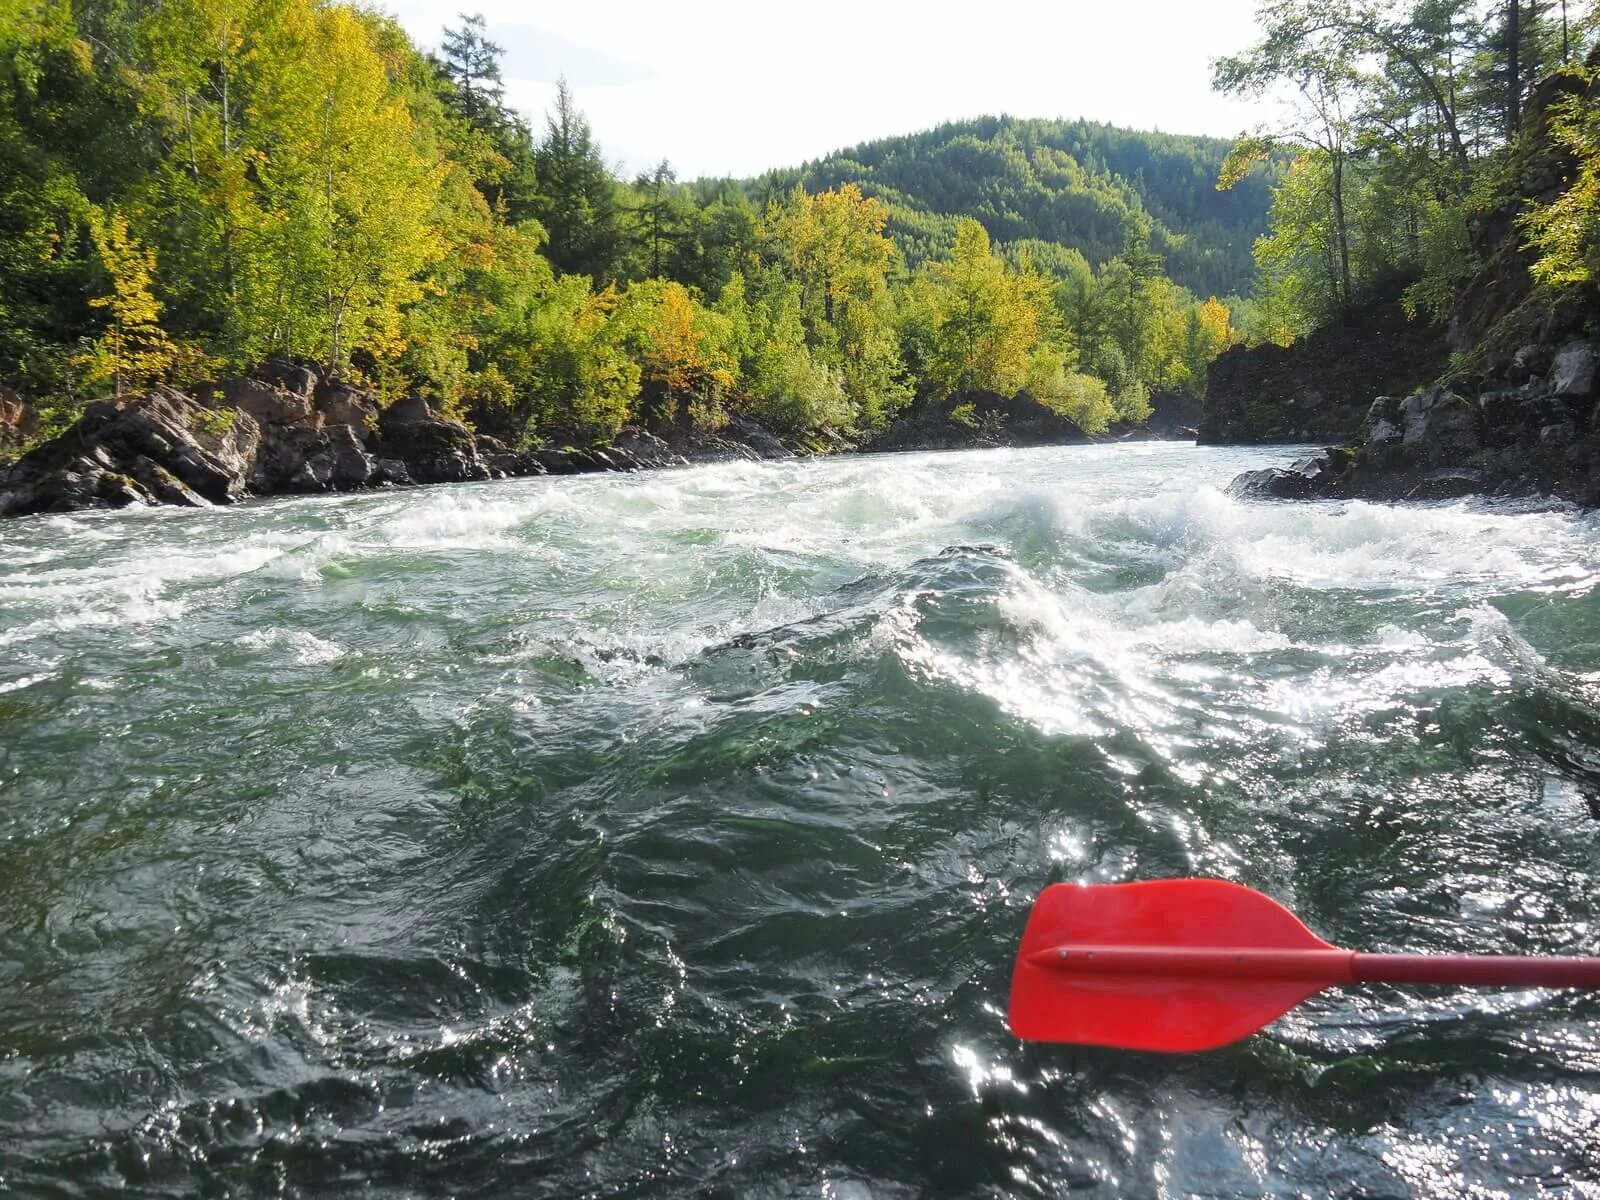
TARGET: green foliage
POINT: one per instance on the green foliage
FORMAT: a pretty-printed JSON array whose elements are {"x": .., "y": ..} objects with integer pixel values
[
  {"x": 786, "y": 386},
  {"x": 1566, "y": 230},
  {"x": 134, "y": 350},
  {"x": 1300, "y": 258},
  {"x": 549, "y": 361},
  {"x": 1131, "y": 405},
  {"x": 1207, "y": 332},
  {"x": 986, "y": 319},
  {"x": 1082, "y": 399},
  {"x": 686, "y": 353},
  {"x": 51, "y": 102},
  {"x": 215, "y": 181},
  {"x": 1403, "y": 123}
]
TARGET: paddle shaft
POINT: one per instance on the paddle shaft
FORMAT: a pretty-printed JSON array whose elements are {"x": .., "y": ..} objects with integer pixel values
[{"x": 1329, "y": 966}]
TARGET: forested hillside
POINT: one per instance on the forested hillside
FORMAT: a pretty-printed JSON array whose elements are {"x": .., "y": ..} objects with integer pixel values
[
  {"x": 1077, "y": 185},
  {"x": 1404, "y": 121},
  {"x": 191, "y": 188},
  {"x": 1453, "y": 150}
]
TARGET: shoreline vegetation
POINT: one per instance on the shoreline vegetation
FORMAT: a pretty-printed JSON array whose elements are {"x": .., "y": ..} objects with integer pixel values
[
  {"x": 198, "y": 189},
  {"x": 1439, "y": 235},
  {"x": 281, "y": 215}
]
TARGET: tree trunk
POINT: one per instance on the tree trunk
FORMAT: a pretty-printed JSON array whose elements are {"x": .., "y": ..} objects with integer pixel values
[
  {"x": 227, "y": 208},
  {"x": 1342, "y": 232},
  {"x": 1513, "y": 67}
]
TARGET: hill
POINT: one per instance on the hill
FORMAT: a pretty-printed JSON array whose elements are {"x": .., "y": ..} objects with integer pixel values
[{"x": 1071, "y": 184}]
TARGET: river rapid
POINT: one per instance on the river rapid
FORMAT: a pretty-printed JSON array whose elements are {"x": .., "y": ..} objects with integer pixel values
[{"x": 672, "y": 834}]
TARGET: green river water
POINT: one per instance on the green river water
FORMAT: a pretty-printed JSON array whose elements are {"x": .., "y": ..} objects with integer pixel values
[{"x": 672, "y": 834}]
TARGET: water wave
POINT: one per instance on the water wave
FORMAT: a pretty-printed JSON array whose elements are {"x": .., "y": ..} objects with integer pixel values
[{"x": 671, "y": 834}]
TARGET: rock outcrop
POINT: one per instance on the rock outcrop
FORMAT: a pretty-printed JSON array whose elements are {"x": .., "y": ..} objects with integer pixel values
[
  {"x": 433, "y": 450},
  {"x": 979, "y": 419},
  {"x": 1320, "y": 388},
  {"x": 1539, "y": 436},
  {"x": 162, "y": 448},
  {"x": 286, "y": 430}
]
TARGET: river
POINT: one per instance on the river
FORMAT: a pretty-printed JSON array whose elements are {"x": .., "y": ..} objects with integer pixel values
[{"x": 671, "y": 834}]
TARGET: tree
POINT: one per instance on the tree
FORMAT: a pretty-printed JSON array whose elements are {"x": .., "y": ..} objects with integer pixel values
[
  {"x": 578, "y": 205},
  {"x": 1131, "y": 286},
  {"x": 684, "y": 352},
  {"x": 1082, "y": 399},
  {"x": 987, "y": 322},
  {"x": 1319, "y": 58},
  {"x": 134, "y": 350},
  {"x": 1207, "y": 333},
  {"x": 832, "y": 246},
  {"x": 301, "y": 200},
  {"x": 1566, "y": 229},
  {"x": 48, "y": 146},
  {"x": 835, "y": 247},
  {"x": 495, "y": 146},
  {"x": 661, "y": 217},
  {"x": 785, "y": 387},
  {"x": 472, "y": 63},
  {"x": 373, "y": 198}
]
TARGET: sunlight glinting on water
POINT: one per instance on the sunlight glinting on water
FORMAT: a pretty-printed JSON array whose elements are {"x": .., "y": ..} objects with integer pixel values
[{"x": 673, "y": 833}]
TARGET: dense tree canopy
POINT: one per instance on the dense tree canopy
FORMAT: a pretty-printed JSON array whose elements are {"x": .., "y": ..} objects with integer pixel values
[
  {"x": 188, "y": 188},
  {"x": 1074, "y": 184},
  {"x": 1402, "y": 115}
]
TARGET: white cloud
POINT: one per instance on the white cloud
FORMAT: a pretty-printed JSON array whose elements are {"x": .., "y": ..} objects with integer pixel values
[{"x": 734, "y": 88}]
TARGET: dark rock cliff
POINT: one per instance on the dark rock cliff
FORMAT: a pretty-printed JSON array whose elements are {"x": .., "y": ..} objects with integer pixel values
[{"x": 1320, "y": 388}]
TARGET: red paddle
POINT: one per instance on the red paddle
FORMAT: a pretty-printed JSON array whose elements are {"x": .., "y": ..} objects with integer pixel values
[{"x": 1190, "y": 964}]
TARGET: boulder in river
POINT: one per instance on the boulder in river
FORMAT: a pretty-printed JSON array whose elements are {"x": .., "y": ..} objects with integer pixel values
[
  {"x": 1439, "y": 427},
  {"x": 433, "y": 450},
  {"x": 159, "y": 448}
]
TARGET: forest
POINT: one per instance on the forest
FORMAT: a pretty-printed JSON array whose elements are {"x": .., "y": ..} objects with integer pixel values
[
  {"x": 1401, "y": 123},
  {"x": 187, "y": 189},
  {"x": 191, "y": 188},
  {"x": 1076, "y": 184}
]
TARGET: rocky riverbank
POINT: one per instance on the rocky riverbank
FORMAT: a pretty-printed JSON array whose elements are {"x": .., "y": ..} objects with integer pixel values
[
  {"x": 285, "y": 431},
  {"x": 1537, "y": 436},
  {"x": 978, "y": 420},
  {"x": 1510, "y": 402}
]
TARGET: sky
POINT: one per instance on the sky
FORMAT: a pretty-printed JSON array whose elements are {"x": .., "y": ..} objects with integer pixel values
[{"x": 720, "y": 87}]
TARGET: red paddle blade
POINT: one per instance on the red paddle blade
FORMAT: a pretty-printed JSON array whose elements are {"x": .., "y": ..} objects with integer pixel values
[{"x": 1194, "y": 992}]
